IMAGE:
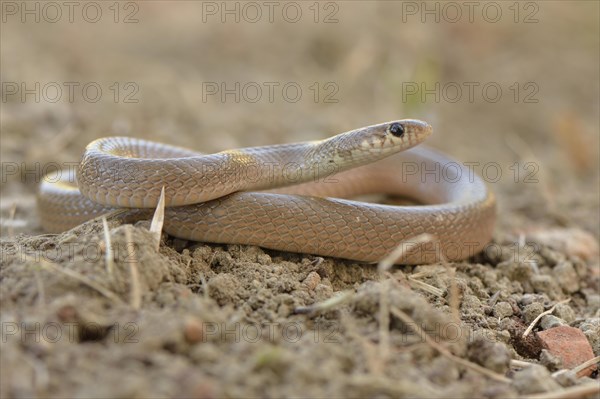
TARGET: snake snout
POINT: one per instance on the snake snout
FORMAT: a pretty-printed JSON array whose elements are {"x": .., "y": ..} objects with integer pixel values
[{"x": 419, "y": 128}]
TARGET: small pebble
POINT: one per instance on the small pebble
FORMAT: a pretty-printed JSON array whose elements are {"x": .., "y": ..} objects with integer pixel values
[
  {"x": 565, "y": 312},
  {"x": 193, "y": 331},
  {"x": 323, "y": 291},
  {"x": 441, "y": 371},
  {"x": 67, "y": 314},
  {"x": 591, "y": 329},
  {"x": 491, "y": 355},
  {"x": 532, "y": 311},
  {"x": 528, "y": 299},
  {"x": 534, "y": 379},
  {"x": 552, "y": 257},
  {"x": 549, "y": 321},
  {"x": 312, "y": 280},
  {"x": 566, "y": 378},
  {"x": 506, "y": 324},
  {"x": 521, "y": 271},
  {"x": 570, "y": 345},
  {"x": 543, "y": 283},
  {"x": 592, "y": 298},
  {"x": 550, "y": 361},
  {"x": 263, "y": 259},
  {"x": 502, "y": 310},
  {"x": 567, "y": 277},
  {"x": 504, "y": 336}
]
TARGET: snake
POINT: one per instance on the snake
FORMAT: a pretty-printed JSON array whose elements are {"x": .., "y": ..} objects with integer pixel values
[{"x": 305, "y": 197}]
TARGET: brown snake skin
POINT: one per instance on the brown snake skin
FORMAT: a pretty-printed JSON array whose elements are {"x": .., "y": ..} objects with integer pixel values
[{"x": 221, "y": 198}]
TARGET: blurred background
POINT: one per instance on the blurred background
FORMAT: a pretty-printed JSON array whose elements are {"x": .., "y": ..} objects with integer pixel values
[{"x": 514, "y": 85}]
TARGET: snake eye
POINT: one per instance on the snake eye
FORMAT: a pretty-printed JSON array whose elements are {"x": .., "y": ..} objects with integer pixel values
[{"x": 396, "y": 129}]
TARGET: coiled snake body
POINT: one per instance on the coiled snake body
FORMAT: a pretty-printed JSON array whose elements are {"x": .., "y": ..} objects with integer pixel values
[{"x": 289, "y": 197}]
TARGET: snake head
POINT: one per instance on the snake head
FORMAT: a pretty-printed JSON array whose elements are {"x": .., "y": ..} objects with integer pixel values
[
  {"x": 406, "y": 133},
  {"x": 378, "y": 141},
  {"x": 369, "y": 144}
]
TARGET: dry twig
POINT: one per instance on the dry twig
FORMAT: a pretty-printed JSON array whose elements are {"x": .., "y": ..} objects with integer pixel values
[{"x": 535, "y": 321}]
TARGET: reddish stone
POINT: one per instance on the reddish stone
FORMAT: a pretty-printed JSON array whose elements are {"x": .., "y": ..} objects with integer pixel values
[
  {"x": 570, "y": 345},
  {"x": 193, "y": 331}
]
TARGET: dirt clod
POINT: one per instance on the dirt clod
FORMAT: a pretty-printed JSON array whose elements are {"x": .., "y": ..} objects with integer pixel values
[
  {"x": 534, "y": 379},
  {"x": 503, "y": 309},
  {"x": 531, "y": 311},
  {"x": 529, "y": 346},
  {"x": 551, "y": 361},
  {"x": 493, "y": 356}
]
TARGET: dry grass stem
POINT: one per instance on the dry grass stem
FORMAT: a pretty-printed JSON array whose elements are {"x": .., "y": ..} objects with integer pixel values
[
  {"x": 81, "y": 278},
  {"x": 384, "y": 321},
  {"x": 383, "y": 267},
  {"x": 585, "y": 365},
  {"x": 535, "y": 321},
  {"x": 418, "y": 284},
  {"x": 136, "y": 294},
  {"x": 520, "y": 364},
  {"x": 426, "y": 273},
  {"x": 445, "y": 352},
  {"x": 109, "y": 256},
  {"x": 11, "y": 220},
  {"x": 204, "y": 287},
  {"x": 339, "y": 299},
  {"x": 158, "y": 219}
]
